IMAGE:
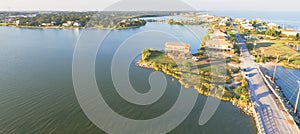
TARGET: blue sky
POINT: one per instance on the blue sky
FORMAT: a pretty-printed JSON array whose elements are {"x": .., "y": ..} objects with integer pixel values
[{"x": 224, "y": 5}]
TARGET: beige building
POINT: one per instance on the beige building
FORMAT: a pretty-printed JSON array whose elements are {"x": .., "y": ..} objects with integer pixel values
[
  {"x": 220, "y": 44},
  {"x": 289, "y": 32},
  {"x": 177, "y": 47}
]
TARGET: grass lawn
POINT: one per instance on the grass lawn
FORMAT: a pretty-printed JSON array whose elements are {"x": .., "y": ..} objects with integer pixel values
[
  {"x": 199, "y": 75},
  {"x": 272, "y": 48},
  {"x": 160, "y": 57}
]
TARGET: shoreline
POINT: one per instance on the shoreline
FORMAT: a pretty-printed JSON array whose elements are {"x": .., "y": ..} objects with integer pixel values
[
  {"x": 69, "y": 28},
  {"x": 243, "y": 108},
  {"x": 285, "y": 102}
]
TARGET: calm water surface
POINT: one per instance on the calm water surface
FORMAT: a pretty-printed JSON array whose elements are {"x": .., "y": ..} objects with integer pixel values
[
  {"x": 37, "y": 95},
  {"x": 287, "y": 81},
  {"x": 287, "y": 19}
]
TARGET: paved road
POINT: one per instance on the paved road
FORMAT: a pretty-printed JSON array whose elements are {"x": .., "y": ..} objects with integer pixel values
[{"x": 273, "y": 118}]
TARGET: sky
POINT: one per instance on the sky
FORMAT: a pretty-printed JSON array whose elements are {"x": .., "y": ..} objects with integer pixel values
[{"x": 211, "y": 5}]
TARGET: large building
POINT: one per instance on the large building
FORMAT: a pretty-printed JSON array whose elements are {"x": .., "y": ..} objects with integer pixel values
[{"x": 178, "y": 47}]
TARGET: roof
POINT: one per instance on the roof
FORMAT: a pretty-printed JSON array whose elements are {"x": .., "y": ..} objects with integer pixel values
[
  {"x": 176, "y": 44},
  {"x": 289, "y": 30},
  {"x": 272, "y": 24},
  {"x": 218, "y": 34},
  {"x": 219, "y": 43}
]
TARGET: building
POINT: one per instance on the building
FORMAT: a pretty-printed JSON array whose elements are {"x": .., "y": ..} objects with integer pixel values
[
  {"x": 297, "y": 48},
  {"x": 171, "y": 47},
  {"x": 219, "y": 44},
  {"x": 65, "y": 24},
  {"x": 258, "y": 21},
  {"x": 70, "y": 23},
  {"x": 223, "y": 22},
  {"x": 247, "y": 26},
  {"x": 218, "y": 34},
  {"x": 240, "y": 20},
  {"x": 47, "y": 24},
  {"x": 76, "y": 24},
  {"x": 289, "y": 32},
  {"x": 272, "y": 26},
  {"x": 208, "y": 18},
  {"x": 17, "y": 22},
  {"x": 262, "y": 28}
]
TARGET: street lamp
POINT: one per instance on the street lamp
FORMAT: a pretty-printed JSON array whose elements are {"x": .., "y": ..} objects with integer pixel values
[{"x": 297, "y": 99}]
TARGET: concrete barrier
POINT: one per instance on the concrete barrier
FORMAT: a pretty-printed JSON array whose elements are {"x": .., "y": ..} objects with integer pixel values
[{"x": 275, "y": 93}]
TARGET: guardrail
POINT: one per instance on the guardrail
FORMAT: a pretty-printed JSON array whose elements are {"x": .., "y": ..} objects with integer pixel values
[{"x": 275, "y": 93}]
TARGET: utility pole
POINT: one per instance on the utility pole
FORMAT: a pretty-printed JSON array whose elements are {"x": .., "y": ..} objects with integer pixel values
[
  {"x": 254, "y": 44},
  {"x": 275, "y": 68},
  {"x": 296, "y": 105}
]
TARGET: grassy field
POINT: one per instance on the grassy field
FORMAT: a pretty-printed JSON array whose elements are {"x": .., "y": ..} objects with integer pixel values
[
  {"x": 198, "y": 75},
  {"x": 272, "y": 48},
  {"x": 160, "y": 57}
]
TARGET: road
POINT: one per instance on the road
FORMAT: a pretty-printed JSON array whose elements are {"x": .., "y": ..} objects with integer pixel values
[{"x": 273, "y": 119}]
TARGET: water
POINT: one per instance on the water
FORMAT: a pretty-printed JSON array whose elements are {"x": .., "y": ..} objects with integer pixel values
[
  {"x": 287, "y": 81},
  {"x": 37, "y": 95},
  {"x": 286, "y": 19}
]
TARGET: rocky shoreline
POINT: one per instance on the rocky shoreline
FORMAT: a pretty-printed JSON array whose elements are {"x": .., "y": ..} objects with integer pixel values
[
  {"x": 265, "y": 69},
  {"x": 244, "y": 108}
]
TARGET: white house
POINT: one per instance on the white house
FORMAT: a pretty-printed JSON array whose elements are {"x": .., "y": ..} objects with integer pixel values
[
  {"x": 247, "y": 26},
  {"x": 70, "y": 23},
  {"x": 17, "y": 22},
  {"x": 76, "y": 24},
  {"x": 272, "y": 25},
  {"x": 65, "y": 24}
]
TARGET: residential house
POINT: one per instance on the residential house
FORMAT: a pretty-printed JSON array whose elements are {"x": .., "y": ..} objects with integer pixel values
[
  {"x": 208, "y": 18},
  {"x": 272, "y": 26},
  {"x": 262, "y": 28},
  {"x": 223, "y": 22},
  {"x": 65, "y": 24},
  {"x": 76, "y": 24},
  {"x": 247, "y": 26},
  {"x": 218, "y": 34},
  {"x": 70, "y": 23},
  {"x": 289, "y": 32},
  {"x": 240, "y": 20},
  {"x": 18, "y": 22},
  {"x": 220, "y": 44},
  {"x": 178, "y": 47},
  {"x": 258, "y": 21},
  {"x": 47, "y": 24}
]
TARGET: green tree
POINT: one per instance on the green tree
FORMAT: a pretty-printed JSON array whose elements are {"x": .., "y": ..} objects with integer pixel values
[
  {"x": 244, "y": 82},
  {"x": 145, "y": 54}
]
